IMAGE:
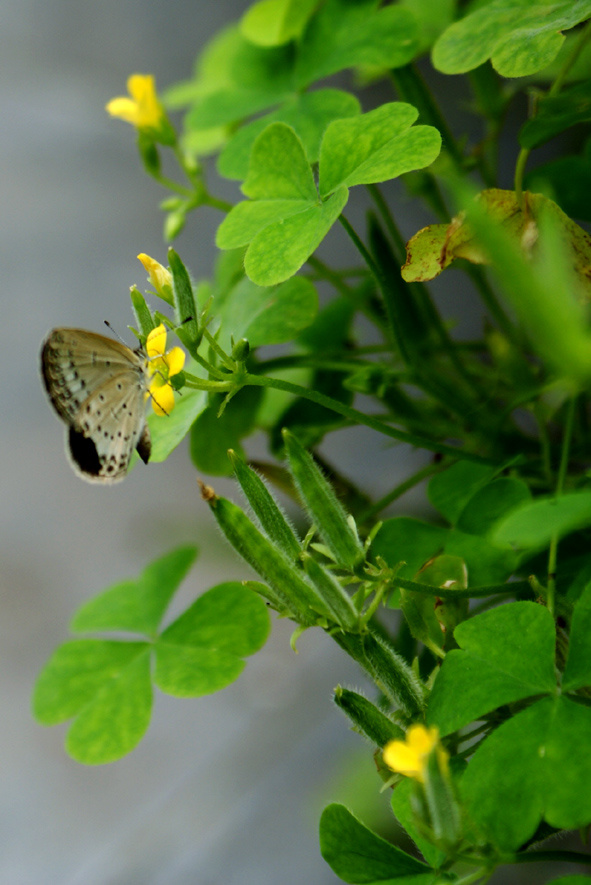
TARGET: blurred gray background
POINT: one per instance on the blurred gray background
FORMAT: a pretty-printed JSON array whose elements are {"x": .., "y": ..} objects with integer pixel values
[{"x": 226, "y": 789}]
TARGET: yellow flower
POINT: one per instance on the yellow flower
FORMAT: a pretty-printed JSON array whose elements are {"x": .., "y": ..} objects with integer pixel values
[
  {"x": 162, "y": 367},
  {"x": 143, "y": 110},
  {"x": 410, "y": 757},
  {"x": 159, "y": 277}
]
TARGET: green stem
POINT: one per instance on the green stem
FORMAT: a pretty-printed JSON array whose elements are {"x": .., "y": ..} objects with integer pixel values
[
  {"x": 519, "y": 170},
  {"x": 336, "y": 278},
  {"x": 583, "y": 37},
  {"x": 167, "y": 182},
  {"x": 558, "y": 855},
  {"x": 457, "y": 593},
  {"x": 357, "y": 417},
  {"x": 400, "y": 490},
  {"x": 564, "y": 458},
  {"x": 388, "y": 219},
  {"x": 436, "y": 386},
  {"x": 365, "y": 253},
  {"x": 216, "y": 203}
]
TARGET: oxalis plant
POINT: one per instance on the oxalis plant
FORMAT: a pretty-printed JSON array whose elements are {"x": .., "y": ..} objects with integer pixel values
[{"x": 480, "y": 715}]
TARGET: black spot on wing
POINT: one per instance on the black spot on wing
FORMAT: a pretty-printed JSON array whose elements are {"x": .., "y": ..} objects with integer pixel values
[
  {"x": 84, "y": 452},
  {"x": 144, "y": 445}
]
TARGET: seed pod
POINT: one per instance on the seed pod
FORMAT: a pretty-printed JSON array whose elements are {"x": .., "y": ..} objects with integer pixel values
[
  {"x": 296, "y": 593},
  {"x": 266, "y": 508},
  {"x": 331, "y": 520},
  {"x": 367, "y": 718},
  {"x": 334, "y": 595}
]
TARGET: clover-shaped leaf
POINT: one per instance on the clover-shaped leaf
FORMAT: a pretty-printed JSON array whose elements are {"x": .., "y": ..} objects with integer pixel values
[
  {"x": 532, "y": 766},
  {"x": 285, "y": 220},
  {"x": 308, "y": 114},
  {"x": 137, "y": 605},
  {"x": 374, "y": 147},
  {"x": 203, "y": 650},
  {"x": 358, "y": 855},
  {"x": 505, "y": 655},
  {"x": 519, "y": 38},
  {"x": 106, "y": 684},
  {"x": 348, "y": 33}
]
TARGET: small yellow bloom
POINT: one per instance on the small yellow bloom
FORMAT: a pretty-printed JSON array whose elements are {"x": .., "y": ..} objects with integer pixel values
[
  {"x": 410, "y": 757},
  {"x": 159, "y": 277},
  {"x": 162, "y": 367},
  {"x": 143, "y": 110}
]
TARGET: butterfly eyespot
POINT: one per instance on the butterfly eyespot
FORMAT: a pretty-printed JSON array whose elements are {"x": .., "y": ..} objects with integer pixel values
[{"x": 102, "y": 397}]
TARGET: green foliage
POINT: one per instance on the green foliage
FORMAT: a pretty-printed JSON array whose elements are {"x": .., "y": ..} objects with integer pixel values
[
  {"x": 480, "y": 717},
  {"x": 357, "y": 855},
  {"x": 519, "y": 38},
  {"x": 107, "y": 684}
]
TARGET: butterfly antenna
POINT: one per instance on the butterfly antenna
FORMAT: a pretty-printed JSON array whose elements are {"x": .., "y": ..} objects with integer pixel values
[{"x": 114, "y": 332}]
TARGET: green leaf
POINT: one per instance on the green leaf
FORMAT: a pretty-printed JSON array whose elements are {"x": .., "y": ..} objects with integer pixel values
[
  {"x": 116, "y": 720},
  {"x": 519, "y": 38},
  {"x": 577, "y": 673},
  {"x": 555, "y": 113},
  {"x": 505, "y": 655},
  {"x": 245, "y": 220},
  {"x": 347, "y": 33},
  {"x": 274, "y": 22},
  {"x": 272, "y": 315},
  {"x": 285, "y": 221},
  {"x": 432, "y": 17},
  {"x": 106, "y": 685},
  {"x": 279, "y": 168},
  {"x": 374, "y": 147},
  {"x": 167, "y": 431},
  {"x": 357, "y": 855},
  {"x": 450, "y": 491},
  {"x": 402, "y": 808},
  {"x": 532, "y": 526},
  {"x": 308, "y": 115},
  {"x": 492, "y": 502},
  {"x": 138, "y": 605},
  {"x": 486, "y": 563},
  {"x": 203, "y": 650},
  {"x": 278, "y": 251},
  {"x": 213, "y": 434},
  {"x": 532, "y": 766},
  {"x": 408, "y": 540},
  {"x": 235, "y": 79}
]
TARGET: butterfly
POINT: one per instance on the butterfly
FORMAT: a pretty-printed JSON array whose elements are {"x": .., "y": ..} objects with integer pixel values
[{"x": 98, "y": 386}]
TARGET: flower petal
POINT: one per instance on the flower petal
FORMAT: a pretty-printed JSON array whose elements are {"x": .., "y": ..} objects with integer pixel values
[
  {"x": 156, "y": 341},
  {"x": 159, "y": 275},
  {"x": 162, "y": 396},
  {"x": 124, "y": 108},
  {"x": 175, "y": 360}
]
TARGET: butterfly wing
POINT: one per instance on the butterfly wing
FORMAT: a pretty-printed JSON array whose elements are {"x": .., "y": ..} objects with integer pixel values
[{"x": 97, "y": 386}]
